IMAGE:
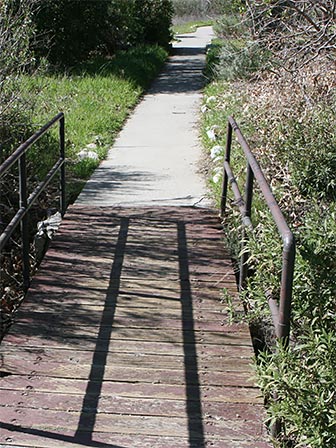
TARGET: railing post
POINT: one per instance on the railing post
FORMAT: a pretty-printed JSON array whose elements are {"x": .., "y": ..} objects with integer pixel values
[
  {"x": 225, "y": 176},
  {"x": 247, "y": 214},
  {"x": 288, "y": 261},
  {"x": 62, "y": 170},
  {"x": 24, "y": 221}
]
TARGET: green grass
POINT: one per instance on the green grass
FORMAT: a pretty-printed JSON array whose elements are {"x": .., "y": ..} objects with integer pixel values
[{"x": 96, "y": 98}]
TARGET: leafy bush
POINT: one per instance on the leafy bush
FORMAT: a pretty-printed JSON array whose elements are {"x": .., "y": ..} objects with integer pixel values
[
  {"x": 304, "y": 378},
  {"x": 203, "y": 8},
  {"x": 312, "y": 160},
  {"x": 68, "y": 30},
  {"x": 231, "y": 26},
  {"x": 156, "y": 18},
  {"x": 240, "y": 60},
  {"x": 72, "y": 30},
  {"x": 16, "y": 30}
]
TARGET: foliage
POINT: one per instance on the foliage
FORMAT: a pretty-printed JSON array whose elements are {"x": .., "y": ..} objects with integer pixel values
[
  {"x": 295, "y": 31},
  {"x": 203, "y": 8},
  {"x": 312, "y": 161},
  {"x": 15, "y": 58},
  {"x": 230, "y": 26},
  {"x": 240, "y": 59},
  {"x": 289, "y": 121},
  {"x": 72, "y": 30},
  {"x": 303, "y": 378},
  {"x": 136, "y": 22}
]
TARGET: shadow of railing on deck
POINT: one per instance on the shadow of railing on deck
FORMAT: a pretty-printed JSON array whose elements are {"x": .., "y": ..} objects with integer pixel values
[
  {"x": 96, "y": 377},
  {"x": 194, "y": 406}
]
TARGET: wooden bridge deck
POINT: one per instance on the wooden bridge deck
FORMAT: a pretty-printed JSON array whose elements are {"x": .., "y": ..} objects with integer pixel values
[{"x": 123, "y": 342}]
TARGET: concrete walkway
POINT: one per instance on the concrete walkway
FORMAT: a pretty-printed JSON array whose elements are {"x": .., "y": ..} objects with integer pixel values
[{"x": 156, "y": 158}]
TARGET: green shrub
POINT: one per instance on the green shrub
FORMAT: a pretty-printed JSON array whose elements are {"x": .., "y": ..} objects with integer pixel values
[
  {"x": 203, "y": 8},
  {"x": 16, "y": 31},
  {"x": 68, "y": 30},
  {"x": 240, "y": 60},
  {"x": 212, "y": 59},
  {"x": 156, "y": 19},
  {"x": 230, "y": 26},
  {"x": 72, "y": 30},
  {"x": 309, "y": 145},
  {"x": 304, "y": 379}
]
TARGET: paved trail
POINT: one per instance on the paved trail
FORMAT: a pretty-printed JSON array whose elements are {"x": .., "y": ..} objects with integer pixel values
[{"x": 155, "y": 159}]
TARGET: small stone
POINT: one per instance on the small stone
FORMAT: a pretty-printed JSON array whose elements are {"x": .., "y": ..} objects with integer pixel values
[
  {"x": 211, "y": 99},
  {"x": 216, "y": 151}
]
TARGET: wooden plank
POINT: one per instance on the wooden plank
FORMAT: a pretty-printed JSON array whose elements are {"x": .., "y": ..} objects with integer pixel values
[
  {"x": 229, "y": 334},
  {"x": 124, "y": 373},
  {"x": 30, "y": 318},
  {"x": 151, "y": 425},
  {"x": 68, "y": 439},
  {"x": 210, "y": 393},
  {"x": 153, "y": 348},
  {"x": 21, "y": 363}
]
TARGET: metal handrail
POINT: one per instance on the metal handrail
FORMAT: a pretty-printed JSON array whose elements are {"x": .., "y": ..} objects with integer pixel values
[
  {"x": 280, "y": 312},
  {"x": 25, "y": 201}
]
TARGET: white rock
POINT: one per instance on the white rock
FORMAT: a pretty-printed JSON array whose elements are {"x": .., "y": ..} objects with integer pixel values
[
  {"x": 49, "y": 226},
  {"x": 211, "y": 135},
  {"x": 204, "y": 108},
  {"x": 216, "y": 178},
  {"x": 87, "y": 154},
  {"x": 211, "y": 99},
  {"x": 214, "y": 132},
  {"x": 216, "y": 151},
  {"x": 91, "y": 146},
  {"x": 218, "y": 159}
]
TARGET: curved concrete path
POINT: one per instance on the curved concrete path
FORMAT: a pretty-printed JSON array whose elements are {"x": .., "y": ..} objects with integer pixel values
[{"x": 156, "y": 156}]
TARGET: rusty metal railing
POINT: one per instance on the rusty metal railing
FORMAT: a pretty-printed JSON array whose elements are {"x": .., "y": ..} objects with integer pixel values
[
  {"x": 25, "y": 201},
  {"x": 280, "y": 310}
]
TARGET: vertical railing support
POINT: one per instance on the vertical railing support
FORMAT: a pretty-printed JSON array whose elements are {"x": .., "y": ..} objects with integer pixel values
[
  {"x": 24, "y": 221},
  {"x": 288, "y": 262},
  {"x": 62, "y": 170},
  {"x": 247, "y": 214},
  {"x": 225, "y": 176}
]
